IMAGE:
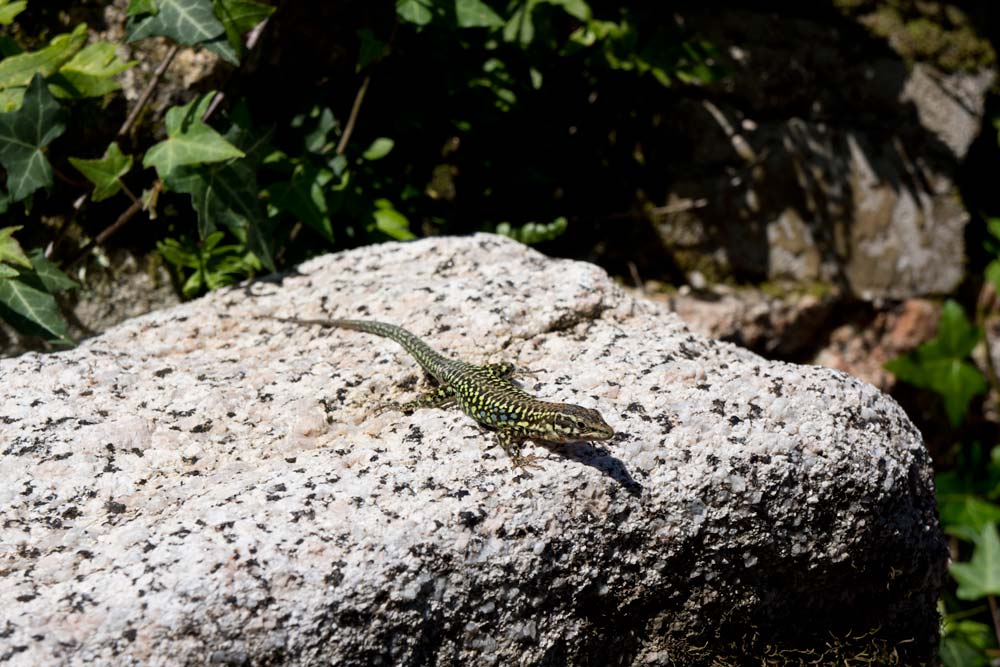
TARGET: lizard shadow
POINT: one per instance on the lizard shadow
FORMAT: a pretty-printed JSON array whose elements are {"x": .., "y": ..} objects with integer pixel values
[{"x": 596, "y": 456}]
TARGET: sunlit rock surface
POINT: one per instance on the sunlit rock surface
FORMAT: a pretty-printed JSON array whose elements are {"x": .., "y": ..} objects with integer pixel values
[{"x": 197, "y": 486}]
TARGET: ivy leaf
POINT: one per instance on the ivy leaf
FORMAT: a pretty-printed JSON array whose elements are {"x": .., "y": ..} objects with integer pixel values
[
  {"x": 49, "y": 275},
  {"x": 9, "y": 10},
  {"x": 304, "y": 198},
  {"x": 89, "y": 73},
  {"x": 379, "y": 149},
  {"x": 417, "y": 12},
  {"x": 33, "y": 310},
  {"x": 18, "y": 71},
  {"x": 391, "y": 222},
  {"x": 189, "y": 140},
  {"x": 981, "y": 575},
  {"x": 8, "y": 271},
  {"x": 23, "y": 135},
  {"x": 105, "y": 173},
  {"x": 137, "y": 7},
  {"x": 239, "y": 17},
  {"x": 187, "y": 22},
  {"x": 370, "y": 50},
  {"x": 956, "y": 336},
  {"x": 964, "y": 643},
  {"x": 10, "y": 249},
  {"x": 993, "y": 273},
  {"x": 966, "y": 515},
  {"x": 227, "y": 194},
  {"x": 476, "y": 14},
  {"x": 941, "y": 363}
]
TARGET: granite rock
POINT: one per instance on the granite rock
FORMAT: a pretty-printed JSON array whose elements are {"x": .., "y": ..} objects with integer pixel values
[
  {"x": 827, "y": 158},
  {"x": 197, "y": 486}
]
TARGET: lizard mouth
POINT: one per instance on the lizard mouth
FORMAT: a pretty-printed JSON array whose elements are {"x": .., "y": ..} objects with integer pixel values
[{"x": 604, "y": 432}]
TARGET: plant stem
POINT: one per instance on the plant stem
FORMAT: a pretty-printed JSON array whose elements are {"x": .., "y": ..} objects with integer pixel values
[
  {"x": 148, "y": 92},
  {"x": 106, "y": 233},
  {"x": 353, "y": 118},
  {"x": 995, "y": 614}
]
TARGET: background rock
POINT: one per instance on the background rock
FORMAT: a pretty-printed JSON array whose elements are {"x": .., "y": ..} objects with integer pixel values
[
  {"x": 196, "y": 485},
  {"x": 829, "y": 157}
]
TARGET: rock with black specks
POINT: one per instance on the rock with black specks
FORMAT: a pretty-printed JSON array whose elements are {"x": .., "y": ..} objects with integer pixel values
[{"x": 196, "y": 486}]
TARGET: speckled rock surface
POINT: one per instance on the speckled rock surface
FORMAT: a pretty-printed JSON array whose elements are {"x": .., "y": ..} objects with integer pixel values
[{"x": 198, "y": 487}]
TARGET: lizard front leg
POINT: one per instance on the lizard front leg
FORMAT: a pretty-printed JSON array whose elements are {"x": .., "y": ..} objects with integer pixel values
[{"x": 511, "y": 444}]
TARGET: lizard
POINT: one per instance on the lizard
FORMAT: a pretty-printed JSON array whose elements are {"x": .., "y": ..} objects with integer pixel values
[{"x": 485, "y": 393}]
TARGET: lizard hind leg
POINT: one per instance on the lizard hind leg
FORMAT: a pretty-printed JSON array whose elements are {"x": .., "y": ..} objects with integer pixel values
[
  {"x": 502, "y": 369},
  {"x": 439, "y": 398},
  {"x": 506, "y": 370}
]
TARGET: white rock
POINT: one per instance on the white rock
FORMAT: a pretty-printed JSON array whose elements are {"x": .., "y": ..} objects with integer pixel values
[{"x": 236, "y": 501}]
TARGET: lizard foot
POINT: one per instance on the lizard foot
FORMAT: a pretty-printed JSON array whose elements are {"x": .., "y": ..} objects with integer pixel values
[
  {"x": 526, "y": 462},
  {"x": 391, "y": 406}
]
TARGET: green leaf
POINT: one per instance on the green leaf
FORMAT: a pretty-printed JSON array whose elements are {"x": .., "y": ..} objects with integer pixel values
[
  {"x": 536, "y": 78},
  {"x": 303, "y": 197},
  {"x": 213, "y": 265},
  {"x": 476, "y": 14},
  {"x": 23, "y": 135},
  {"x": 221, "y": 47},
  {"x": 89, "y": 73},
  {"x": 417, "y": 12},
  {"x": 391, "y": 222},
  {"x": 8, "y": 271},
  {"x": 576, "y": 8},
  {"x": 19, "y": 70},
  {"x": 226, "y": 194},
  {"x": 993, "y": 227},
  {"x": 940, "y": 364},
  {"x": 239, "y": 17},
  {"x": 993, "y": 273},
  {"x": 964, "y": 642},
  {"x": 38, "y": 309},
  {"x": 520, "y": 27},
  {"x": 956, "y": 334},
  {"x": 9, "y": 10},
  {"x": 10, "y": 249},
  {"x": 371, "y": 49},
  {"x": 50, "y": 276},
  {"x": 187, "y": 22},
  {"x": 379, "y": 149},
  {"x": 533, "y": 232},
  {"x": 136, "y": 7},
  {"x": 189, "y": 140},
  {"x": 957, "y": 382},
  {"x": 981, "y": 575},
  {"x": 967, "y": 511},
  {"x": 319, "y": 123},
  {"x": 105, "y": 173}
]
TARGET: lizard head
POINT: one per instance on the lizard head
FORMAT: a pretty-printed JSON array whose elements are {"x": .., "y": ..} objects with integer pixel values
[{"x": 573, "y": 423}]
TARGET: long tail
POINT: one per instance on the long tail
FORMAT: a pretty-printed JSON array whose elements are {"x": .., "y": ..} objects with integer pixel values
[{"x": 430, "y": 359}]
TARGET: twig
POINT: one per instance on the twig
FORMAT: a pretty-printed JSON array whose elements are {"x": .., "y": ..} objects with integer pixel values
[
  {"x": 995, "y": 614},
  {"x": 985, "y": 302},
  {"x": 82, "y": 184},
  {"x": 679, "y": 207},
  {"x": 252, "y": 38},
  {"x": 352, "y": 119},
  {"x": 148, "y": 92},
  {"x": 106, "y": 233},
  {"x": 636, "y": 278},
  {"x": 740, "y": 145}
]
